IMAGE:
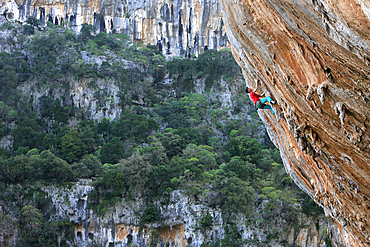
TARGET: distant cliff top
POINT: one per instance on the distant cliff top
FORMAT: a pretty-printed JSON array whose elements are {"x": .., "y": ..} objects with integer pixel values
[{"x": 176, "y": 27}]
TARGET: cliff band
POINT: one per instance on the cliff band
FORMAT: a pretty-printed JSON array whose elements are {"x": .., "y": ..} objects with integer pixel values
[
  {"x": 177, "y": 27},
  {"x": 313, "y": 58}
]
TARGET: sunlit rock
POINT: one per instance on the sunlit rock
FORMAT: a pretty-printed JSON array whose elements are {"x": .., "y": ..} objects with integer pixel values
[
  {"x": 176, "y": 27},
  {"x": 313, "y": 58}
]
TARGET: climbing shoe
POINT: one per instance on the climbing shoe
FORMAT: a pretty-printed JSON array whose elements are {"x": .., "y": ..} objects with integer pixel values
[{"x": 273, "y": 102}]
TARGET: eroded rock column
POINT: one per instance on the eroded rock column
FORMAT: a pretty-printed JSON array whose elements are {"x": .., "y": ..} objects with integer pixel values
[{"x": 176, "y": 27}]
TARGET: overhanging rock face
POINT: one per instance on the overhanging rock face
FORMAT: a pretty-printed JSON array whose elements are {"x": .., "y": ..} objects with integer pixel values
[{"x": 313, "y": 57}]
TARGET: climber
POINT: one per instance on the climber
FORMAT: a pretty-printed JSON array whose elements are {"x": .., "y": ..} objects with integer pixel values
[{"x": 260, "y": 103}]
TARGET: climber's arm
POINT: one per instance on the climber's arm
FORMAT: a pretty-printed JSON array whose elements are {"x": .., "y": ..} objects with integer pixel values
[
  {"x": 255, "y": 89},
  {"x": 260, "y": 95}
]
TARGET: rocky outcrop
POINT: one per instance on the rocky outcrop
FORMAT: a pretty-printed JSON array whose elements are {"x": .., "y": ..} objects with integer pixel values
[
  {"x": 313, "y": 57},
  {"x": 177, "y": 27},
  {"x": 80, "y": 94},
  {"x": 179, "y": 225}
]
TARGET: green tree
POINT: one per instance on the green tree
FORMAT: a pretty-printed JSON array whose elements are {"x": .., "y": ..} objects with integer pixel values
[
  {"x": 72, "y": 146},
  {"x": 309, "y": 207},
  {"x": 178, "y": 166},
  {"x": 190, "y": 136},
  {"x": 33, "y": 22},
  {"x": 108, "y": 190},
  {"x": 172, "y": 144},
  {"x": 203, "y": 154},
  {"x": 9, "y": 80},
  {"x": 8, "y": 229},
  {"x": 137, "y": 171},
  {"x": 239, "y": 168},
  {"x": 104, "y": 128},
  {"x": 232, "y": 236},
  {"x": 46, "y": 103},
  {"x": 159, "y": 183},
  {"x": 133, "y": 126},
  {"x": 265, "y": 160},
  {"x": 88, "y": 167},
  {"x": 30, "y": 224},
  {"x": 28, "y": 133},
  {"x": 195, "y": 105},
  {"x": 51, "y": 167},
  {"x": 206, "y": 222},
  {"x": 7, "y": 116},
  {"x": 155, "y": 153},
  {"x": 7, "y": 113},
  {"x": 89, "y": 134},
  {"x": 60, "y": 112},
  {"x": 112, "y": 151},
  {"x": 151, "y": 214},
  {"x": 17, "y": 169},
  {"x": 248, "y": 149},
  {"x": 102, "y": 39},
  {"x": 86, "y": 32},
  {"x": 4, "y": 130},
  {"x": 236, "y": 196}
]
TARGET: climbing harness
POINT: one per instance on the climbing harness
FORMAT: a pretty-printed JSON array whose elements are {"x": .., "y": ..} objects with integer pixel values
[
  {"x": 314, "y": 152},
  {"x": 317, "y": 155},
  {"x": 259, "y": 105}
]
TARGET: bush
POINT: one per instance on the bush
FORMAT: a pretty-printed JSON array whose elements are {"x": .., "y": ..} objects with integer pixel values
[
  {"x": 151, "y": 214},
  {"x": 89, "y": 166},
  {"x": 236, "y": 196},
  {"x": 72, "y": 146},
  {"x": 206, "y": 222},
  {"x": 112, "y": 151}
]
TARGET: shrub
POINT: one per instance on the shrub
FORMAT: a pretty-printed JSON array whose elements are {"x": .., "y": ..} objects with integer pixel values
[{"x": 151, "y": 214}]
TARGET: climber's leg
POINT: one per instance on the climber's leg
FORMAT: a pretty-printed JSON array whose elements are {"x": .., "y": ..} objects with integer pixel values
[
  {"x": 268, "y": 99},
  {"x": 269, "y": 107}
]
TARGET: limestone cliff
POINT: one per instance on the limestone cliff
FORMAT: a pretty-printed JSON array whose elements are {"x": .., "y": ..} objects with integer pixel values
[
  {"x": 179, "y": 225},
  {"x": 177, "y": 27},
  {"x": 313, "y": 57}
]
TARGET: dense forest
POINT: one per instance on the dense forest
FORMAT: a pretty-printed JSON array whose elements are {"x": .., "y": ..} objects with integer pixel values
[{"x": 166, "y": 138}]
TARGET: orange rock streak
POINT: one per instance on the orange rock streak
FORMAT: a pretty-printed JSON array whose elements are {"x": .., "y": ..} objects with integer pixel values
[{"x": 313, "y": 57}]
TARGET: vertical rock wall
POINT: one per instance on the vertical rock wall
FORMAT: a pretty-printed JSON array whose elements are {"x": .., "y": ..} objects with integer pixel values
[
  {"x": 179, "y": 226},
  {"x": 181, "y": 27},
  {"x": 313, "y": 57}
]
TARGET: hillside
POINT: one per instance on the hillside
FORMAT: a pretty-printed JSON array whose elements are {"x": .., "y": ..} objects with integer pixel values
[{"x": 105, "y": 142}]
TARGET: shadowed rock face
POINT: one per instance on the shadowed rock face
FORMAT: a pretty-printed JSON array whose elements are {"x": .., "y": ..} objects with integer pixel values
[
  {"x": 177, "y": 27},
  {"x": 313, "y": 58}
]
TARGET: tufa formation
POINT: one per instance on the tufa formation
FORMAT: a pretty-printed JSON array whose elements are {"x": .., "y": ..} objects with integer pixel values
[
  {"x": 313, "y": 58},
  {"x": 176, "y": 27}
]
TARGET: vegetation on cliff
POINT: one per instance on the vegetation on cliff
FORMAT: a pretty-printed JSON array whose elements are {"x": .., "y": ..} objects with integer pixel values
[{"x": 217, "y": 155}]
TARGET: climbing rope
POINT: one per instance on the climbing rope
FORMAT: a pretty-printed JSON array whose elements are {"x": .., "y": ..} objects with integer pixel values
[{"x": 317, "y": 155}]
